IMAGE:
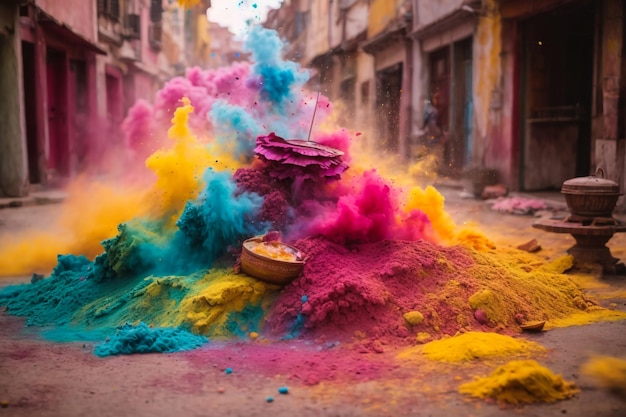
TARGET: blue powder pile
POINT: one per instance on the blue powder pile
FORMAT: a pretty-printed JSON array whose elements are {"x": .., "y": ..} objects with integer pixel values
[
  {"x": 54, "y": 301},
  {"x": 142, "y": 339},
  {"x": 218, "y": 219}
]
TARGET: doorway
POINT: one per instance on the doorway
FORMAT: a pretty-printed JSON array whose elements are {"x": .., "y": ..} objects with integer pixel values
[
  {"x": 557, "y": 77},
  {"x": 58, "y": 142},
  {"x": 115, "y": 104},
  {"x": 388, "y": 90},
  {"x": 30, "y": 112}
]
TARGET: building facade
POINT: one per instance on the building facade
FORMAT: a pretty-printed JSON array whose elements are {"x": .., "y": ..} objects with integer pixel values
[
  {"x": 71, "y": 69},
  {"x": 529, "y": 90}
]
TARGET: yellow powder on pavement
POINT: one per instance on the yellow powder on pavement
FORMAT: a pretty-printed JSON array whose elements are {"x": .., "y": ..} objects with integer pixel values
[
  {"x": 472, "y": 345},
  {"x": 586, "y": 317},
  {"x": 521, "y": 382},
  {"x": 608, "y": 372}
]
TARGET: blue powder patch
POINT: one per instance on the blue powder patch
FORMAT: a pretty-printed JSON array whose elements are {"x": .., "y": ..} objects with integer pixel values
[
  {"x": 230, "y": 119},
  {"x": 241, "y": 323},
  {"x": 217, "y": 220},
  {"x": 278, "y": 77},
  {"x": 142, "y": 339}
]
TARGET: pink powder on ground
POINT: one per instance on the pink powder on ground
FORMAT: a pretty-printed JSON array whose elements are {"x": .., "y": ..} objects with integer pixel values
[
  {"x": 367, "y": 288},
  {"x": 519, "y": 205},
  {"x": 300, "y": 362}
]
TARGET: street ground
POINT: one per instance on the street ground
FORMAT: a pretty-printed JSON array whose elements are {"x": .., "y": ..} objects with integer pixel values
[{"x": 38, "y": 378}]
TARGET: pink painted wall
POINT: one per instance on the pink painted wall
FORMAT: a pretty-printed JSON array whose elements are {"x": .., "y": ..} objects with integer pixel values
[
  {"x": 145, "y": 87},
  {"x": 80, "y": 15},
  {"x": 148, "y": 54}
]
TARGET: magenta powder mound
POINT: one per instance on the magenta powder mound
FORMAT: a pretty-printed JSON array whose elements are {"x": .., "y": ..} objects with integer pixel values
[{"x": 362, "y": 292}]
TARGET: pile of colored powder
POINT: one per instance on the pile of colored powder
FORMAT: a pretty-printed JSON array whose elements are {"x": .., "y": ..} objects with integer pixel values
[
  {"x": 521, "y": 382},
  {"x": 608, "y": 372},
  {"x": 516, "y": 287},
  {"x": 369, "y": 288},
  {"x": 143, "y": 339},
  {"x": 81, "y": 302},
  {"x": 472, "y": 345}
]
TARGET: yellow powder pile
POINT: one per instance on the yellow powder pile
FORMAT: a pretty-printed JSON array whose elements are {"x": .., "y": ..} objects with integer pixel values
[
  {"x": 515, "y": 287},
  {"x": 472, "y": 345},
  {"x": 608, "y": 372},
  {"x": 521, "y": 382},
  {"x": 217, "y": 295}
]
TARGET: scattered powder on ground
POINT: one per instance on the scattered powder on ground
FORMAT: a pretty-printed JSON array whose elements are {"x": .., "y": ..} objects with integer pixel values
[
  {"x": 143, "y": 339},
  {"x": 303, "y": 362},
  {"x": 608, "y": 372},
  {"x": 519, "y": 205},
  {"x": 521, "y": 382},
  {"x": 472, "y": 345}
]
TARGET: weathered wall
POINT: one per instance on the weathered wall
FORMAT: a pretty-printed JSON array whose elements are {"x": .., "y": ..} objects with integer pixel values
[
  {"x": 356, "y": 19},
  {"x": 317, "y": 33},
  {"x": 389, "y": 56},
  {"x": 487, "y": 90},
  {"x": 382, "y": 12},
  {"x": 611, "y": 149},
  {"x": 80, "y": 15},
  {"x": 365, "y": 99},
  {"x": 335, "y": 25},
  {"x": 13, "y": 156},
  {"x": 429, "y": 11}
]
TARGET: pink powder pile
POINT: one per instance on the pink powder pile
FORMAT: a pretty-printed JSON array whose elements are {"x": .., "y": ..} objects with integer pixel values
[
  {"x": 360, "y": 293},
  {"x": 275, "y": 207}
]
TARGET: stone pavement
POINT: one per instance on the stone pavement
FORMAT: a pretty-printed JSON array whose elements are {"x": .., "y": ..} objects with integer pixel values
[{"x": 36, "y": 197}]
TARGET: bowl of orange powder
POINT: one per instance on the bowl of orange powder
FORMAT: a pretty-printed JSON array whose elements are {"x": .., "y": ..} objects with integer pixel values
[{"x": 271, "y": 261}]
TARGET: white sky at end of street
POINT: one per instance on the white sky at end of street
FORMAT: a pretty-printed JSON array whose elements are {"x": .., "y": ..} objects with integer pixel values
[{"x": 236, "y": 14}]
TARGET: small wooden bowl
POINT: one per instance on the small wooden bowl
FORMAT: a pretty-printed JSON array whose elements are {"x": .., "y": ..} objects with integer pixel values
[{"x": 274, "y": 271}]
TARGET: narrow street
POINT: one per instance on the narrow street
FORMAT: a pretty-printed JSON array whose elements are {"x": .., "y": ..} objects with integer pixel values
[
  {"x": 312, "y": 208},
  {"x": 51, "y": 379}
]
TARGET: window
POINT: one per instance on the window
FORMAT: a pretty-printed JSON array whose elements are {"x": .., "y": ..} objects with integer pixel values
[{"x": 109, "y": 8}]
